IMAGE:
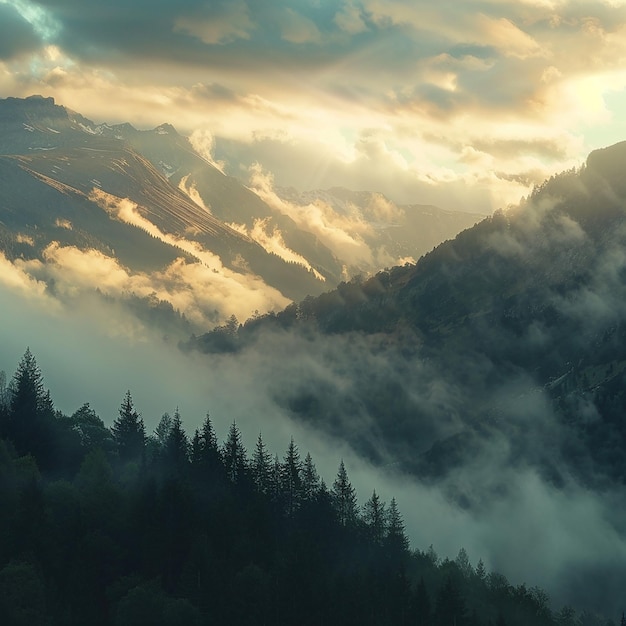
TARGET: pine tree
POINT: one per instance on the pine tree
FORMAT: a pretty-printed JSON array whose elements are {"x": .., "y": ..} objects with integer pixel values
[
  {"x": 207, "y": 458},
  {"x": 177, "y": 446},
  {"x": 261, "y": 467},
  {"x": 234, "y": 455},
  {"x": 162, "y": 431},
  {"x": 195, "y": 449},
  {"x": 481, "y": 573},
  {"x": 275, "y": 481},
  {"x": 129, "y": 431},
  {"x": 344, "y": 497},
  {"x": 26, "y": 393},
  {"x": 31, "y": 414},
  {"x": 374, "y": 515},
  {"x": 310, "y": 479},
  {"x": 396, "y": 539},
  {"x": 291, "y": 479},
  {"x": 463, "y": 563}
]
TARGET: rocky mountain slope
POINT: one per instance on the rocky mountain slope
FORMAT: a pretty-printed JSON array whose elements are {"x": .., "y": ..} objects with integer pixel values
[{"x": 148, "y": 202}]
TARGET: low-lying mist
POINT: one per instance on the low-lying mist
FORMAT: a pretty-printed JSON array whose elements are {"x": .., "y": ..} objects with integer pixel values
[{"x": 564, "y": 537}]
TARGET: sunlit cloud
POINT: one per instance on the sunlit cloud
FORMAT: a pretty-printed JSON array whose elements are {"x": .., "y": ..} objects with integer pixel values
[
  {"x": 14, "y": 277},
  {"x": 400, "y": 90}
]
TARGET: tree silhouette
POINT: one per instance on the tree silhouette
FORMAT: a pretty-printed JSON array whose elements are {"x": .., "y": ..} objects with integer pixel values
[
  {"x": 375, "y": 515},
  {"x": 310, "y": 479},
  {"x": 26, "y": 398},
  {"x": 177, "y": 446},
  {"x": 128, "y": 431},
  {"x": 234, "y": 455},
  {"x": 291, "y": 479},
  {"x": 261, "y": 467},
  {"x": 344, "y": 497}
]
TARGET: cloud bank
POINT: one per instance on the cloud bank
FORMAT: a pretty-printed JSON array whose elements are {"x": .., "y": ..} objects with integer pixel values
[{"x": 464, "y": 106}]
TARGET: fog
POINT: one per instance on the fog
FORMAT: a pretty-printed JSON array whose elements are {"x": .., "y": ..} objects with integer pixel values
[{"x": 510, "y": 516}]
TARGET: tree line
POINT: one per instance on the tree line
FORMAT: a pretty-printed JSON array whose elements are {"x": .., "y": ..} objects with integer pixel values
[{"x": 112, "y": 526}]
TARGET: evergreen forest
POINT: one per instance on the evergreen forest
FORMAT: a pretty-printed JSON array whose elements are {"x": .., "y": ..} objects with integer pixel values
[{"x": 116, "y": 526}]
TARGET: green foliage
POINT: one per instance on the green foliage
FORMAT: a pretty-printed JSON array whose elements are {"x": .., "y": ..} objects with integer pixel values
[
  {"x": 128, "y": 431},
  {"x": 196, "y": 537}
]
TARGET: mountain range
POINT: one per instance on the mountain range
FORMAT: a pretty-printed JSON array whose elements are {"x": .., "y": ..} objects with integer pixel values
[
  {"x": 148, "y": 202},
  {"x": 487, "y": 373}
]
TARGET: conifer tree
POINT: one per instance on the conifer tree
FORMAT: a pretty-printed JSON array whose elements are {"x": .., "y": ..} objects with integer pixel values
[
  {"x": 177, "y": 445},
  {"x": 396, "y": 540},
  {"x": 207, "y": 458},
  {"x": 129, "y": 431},
  {"x": 310, "y": 479},
  {"x": 275, "y": 480},
  {"x": 30, "y": 408},
  {"x": 344, "y": 497},
  {"x": 234, "y": 455},
  {"x": 195, "y": 449},
  {"x": 481, "y": 573},
  {"x": 463, "y": 563},
  {"x": 374, "y": 515},
  {"x": 163, "y": 429},
  {"x": 261, "y": 467},
  {"x": 291, "y": 479}
]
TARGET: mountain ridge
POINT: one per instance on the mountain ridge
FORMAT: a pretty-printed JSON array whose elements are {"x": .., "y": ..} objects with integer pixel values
[{"x": 527, "y": 304}]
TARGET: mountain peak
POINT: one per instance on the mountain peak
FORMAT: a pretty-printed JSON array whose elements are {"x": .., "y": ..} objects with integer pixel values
[
  {"x": 165, "y": 129},
  {"x": 40, "y": 98},
  {"x": 34, "y": 101}
]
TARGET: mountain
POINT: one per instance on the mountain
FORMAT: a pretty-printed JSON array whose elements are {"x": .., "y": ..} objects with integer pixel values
[
  {"x": 76, "y": 194},
  {"x": 510, "y": 335},
  {"x": 149, "y": 205},
  {"x": 228, "y": 200}
]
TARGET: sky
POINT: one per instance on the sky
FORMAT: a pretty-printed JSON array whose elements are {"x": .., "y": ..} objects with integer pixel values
[{"x": 465, "y": 105}]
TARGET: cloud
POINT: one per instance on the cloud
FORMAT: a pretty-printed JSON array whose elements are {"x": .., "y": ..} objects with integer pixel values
[
  {"x": 274, "y": 243},
  {"x": 17, "y": 35},
  {"x": 203, "y": 143},
  {"x": 342, "y": 235},
  {"x": 388, "y": 96},
  {"x": 349, "y": 18},
  {"x": 201, "y": 290},
  {"x": 298, "y": 29},
  {"x": 231, "y": 21},
  {"x": 16, "y": 279}
]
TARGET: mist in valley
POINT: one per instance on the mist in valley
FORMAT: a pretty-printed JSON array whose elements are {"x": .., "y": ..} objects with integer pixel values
[{"x": 501, "y": 506}]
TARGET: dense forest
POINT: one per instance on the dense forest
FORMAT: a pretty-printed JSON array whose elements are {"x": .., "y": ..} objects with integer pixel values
[{"x": 113, "y": 526}]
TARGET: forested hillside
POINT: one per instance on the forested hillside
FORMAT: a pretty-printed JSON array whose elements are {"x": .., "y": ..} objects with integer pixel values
[
  {"x": 521, "y": 315},
  {"x": 116, "y": 526}
]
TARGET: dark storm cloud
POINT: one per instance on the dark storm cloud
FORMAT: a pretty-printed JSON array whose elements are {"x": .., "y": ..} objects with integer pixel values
[{"x": 17, "y": 36}]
